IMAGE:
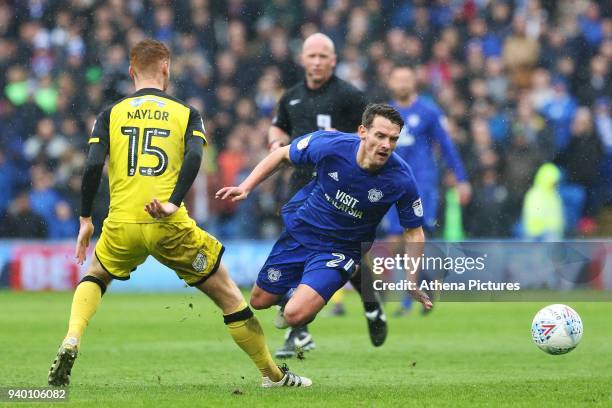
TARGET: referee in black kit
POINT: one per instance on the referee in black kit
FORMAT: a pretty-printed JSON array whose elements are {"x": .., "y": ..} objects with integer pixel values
[{"x": 321, "y": 102}]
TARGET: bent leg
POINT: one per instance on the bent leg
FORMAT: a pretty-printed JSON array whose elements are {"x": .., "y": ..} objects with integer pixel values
[
  {"x": 364, "y": 286},
  {"x": 243, "y": 326},
  {"x": 222, "y": 290},
  {"x": 261, "y": 299},
  {"x": 303, "y": 306},
  {"x": 323, "y": 276}
]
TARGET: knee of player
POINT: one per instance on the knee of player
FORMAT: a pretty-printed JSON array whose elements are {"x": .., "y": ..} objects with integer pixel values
[
  {"x": 258, "y": 302},
  {"x": 296, "y": 316}
]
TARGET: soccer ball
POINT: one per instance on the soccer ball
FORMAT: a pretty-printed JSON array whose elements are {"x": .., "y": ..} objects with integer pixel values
[{"x": 556, "y": 329}]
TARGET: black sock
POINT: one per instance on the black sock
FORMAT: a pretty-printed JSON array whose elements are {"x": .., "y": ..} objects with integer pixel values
[
  {"x": 365, "y": 290},
  {"x": 300, "y": 328}
]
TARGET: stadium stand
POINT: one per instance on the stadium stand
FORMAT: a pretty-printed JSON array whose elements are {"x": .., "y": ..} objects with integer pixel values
[{"x": 523, "y": 83}]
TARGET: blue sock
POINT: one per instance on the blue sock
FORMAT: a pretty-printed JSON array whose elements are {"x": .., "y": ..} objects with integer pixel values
[{"x": 407, "y": 302}]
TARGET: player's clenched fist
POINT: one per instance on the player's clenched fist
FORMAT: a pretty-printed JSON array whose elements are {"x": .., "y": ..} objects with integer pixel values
[{"x": 235, "y": 193}]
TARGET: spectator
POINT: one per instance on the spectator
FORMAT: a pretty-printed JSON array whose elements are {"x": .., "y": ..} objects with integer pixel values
[
  {"x": 231, "y": 162},
  {"x": 522, "y": 160},
  {"x": 63, "y": 61},
  {"x": 43, "y": 197},
  {"x": 280, "y": 56},
  {"x": 559, "y": 113},
  {"x": 555, "y": 45},
  {"x": 603, "y": 122},
  {"x": 581, "y": 159},
  {"x": 541, "y": 92},
  {"x": 590, "y": 25},
  {"x": 533, "y": 128},
  {"x": 45, "y": 146},
  {"x": 520, "y": 52},
  {"x": 488, "y": 41},
  {"x": 490, "y": 216},
  {"x": 21, "y": 221},
  {"x": 598, "y": 82},
  {"x": 65, "y": 225},
  {"x": 8, "y": 181},
  {"x": 496, "y": 80},
  {"x": 543, "y": 210}
]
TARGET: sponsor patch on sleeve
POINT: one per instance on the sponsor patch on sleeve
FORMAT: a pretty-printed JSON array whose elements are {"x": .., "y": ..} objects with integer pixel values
[
  {"x": 302, "y": 144},
  {"x": 417, "y": 207}
]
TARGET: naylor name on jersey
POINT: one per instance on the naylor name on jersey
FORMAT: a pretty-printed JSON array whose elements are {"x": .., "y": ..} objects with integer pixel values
[{"x": 147, "y": 114}]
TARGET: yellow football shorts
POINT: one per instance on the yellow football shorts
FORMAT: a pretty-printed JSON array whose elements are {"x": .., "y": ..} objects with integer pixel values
[{"x": 183, "y": 247}]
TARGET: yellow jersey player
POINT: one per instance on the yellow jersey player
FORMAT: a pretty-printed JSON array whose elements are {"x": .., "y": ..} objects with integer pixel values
[{"x": 154, "y": 143}]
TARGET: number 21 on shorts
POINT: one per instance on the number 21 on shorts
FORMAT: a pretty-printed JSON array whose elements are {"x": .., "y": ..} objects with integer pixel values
[{"x": 340, "y": 259}]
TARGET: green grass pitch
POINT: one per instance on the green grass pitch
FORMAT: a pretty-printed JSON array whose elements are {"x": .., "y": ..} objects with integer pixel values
[{"x": 144, "y": 350}]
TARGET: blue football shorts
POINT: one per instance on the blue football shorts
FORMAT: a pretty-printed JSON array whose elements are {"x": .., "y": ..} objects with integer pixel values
[{"x": 291, "y": 264}]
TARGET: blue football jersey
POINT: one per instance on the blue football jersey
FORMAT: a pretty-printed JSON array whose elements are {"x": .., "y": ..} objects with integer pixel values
[
  {"x": 424, "y": 126},
  {"x": 342, "y": 206}
]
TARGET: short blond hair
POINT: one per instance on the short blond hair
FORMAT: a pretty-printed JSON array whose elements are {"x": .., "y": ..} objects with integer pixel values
[{"x": 146, "y": 56}]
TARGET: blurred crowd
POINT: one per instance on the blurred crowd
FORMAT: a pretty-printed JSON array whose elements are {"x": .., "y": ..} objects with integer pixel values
[{"x": 523, "y": 82}]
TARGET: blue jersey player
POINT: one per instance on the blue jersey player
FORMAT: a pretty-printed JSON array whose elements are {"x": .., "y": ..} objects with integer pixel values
[
  {"x": 424, "y": 129},
  {"x": 358, "y": 180}
]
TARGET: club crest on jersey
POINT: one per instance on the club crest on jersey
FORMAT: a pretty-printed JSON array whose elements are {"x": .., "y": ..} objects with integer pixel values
[
  {"x": 274, "y": 274},
  {"x": 417, "y": 207},
  {"x": 302, "y": 144},
  {"x": 374, "y": 195},
  {"x": 199, "y": 263}
]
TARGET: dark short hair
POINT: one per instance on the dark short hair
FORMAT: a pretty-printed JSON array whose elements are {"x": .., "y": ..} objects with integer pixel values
[
  {"x": 403, "y": 64},
  {"x": 381, "y": 109}
]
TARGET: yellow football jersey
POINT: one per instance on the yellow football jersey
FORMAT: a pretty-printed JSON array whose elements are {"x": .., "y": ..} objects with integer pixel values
[{"x": 146, "y": 134}]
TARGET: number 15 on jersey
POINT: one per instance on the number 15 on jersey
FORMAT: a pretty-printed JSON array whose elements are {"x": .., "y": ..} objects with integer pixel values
[{"x": 147, "y": 149}]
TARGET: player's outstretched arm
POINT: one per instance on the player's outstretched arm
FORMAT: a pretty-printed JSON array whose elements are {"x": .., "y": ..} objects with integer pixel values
[
  {"x": 268, "y": 166},
  {"x": 452, "y": 159},
  {"x": 414, "y": 239}
]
